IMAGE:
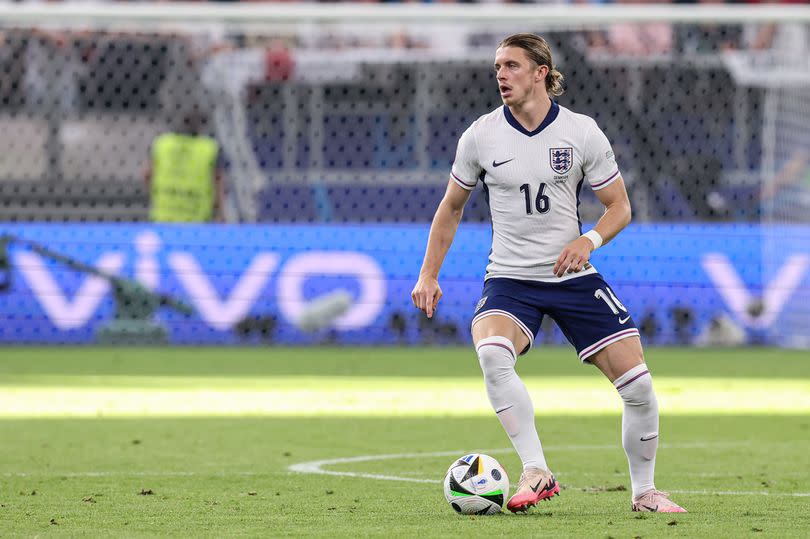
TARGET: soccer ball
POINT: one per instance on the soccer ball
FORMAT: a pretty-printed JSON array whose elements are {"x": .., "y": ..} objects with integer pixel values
[{"x": 476, "y": 484}]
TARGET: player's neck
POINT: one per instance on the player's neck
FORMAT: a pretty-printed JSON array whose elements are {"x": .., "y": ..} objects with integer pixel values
[{"x": 530, "y": 114}]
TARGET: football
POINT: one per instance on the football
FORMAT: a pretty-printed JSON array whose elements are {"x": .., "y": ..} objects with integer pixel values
[{"x": 476, "y": 484}]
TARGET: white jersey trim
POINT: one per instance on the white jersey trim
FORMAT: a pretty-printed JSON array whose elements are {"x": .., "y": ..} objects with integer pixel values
[
  {"x": 511, "y": 316},
  {"x": 604, "y": 183},
  {"x": 462, "y": 183},
  {"x": 610, "y": 339}
]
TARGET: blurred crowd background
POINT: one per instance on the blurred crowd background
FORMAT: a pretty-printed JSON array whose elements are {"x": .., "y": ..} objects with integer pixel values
[
  {"x": 336, "y": 121},
  {"x": 343, "y": 124}
]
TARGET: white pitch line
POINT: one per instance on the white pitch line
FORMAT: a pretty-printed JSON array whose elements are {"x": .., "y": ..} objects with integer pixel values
[{"x": 317, "y": 466}]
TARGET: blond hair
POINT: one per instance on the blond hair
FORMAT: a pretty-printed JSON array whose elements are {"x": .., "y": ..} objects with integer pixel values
[{"x": 539, "y": 52}]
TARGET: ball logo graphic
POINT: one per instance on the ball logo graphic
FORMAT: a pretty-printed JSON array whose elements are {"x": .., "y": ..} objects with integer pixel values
[{"x": 476, "y": 484}]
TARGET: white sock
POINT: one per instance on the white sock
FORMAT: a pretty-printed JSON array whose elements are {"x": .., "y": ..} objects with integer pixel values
[
  {"x": 510, "y": 399},
  {"x": 639, "y": 426}
]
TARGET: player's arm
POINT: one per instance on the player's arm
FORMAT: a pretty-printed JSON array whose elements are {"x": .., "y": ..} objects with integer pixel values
[
  {"x": 426, "y": 293},
  {"x": 617, "y": 210},
  {"x": 617, "y": 216}
]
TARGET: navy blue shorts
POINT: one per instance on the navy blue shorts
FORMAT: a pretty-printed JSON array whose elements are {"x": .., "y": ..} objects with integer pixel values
[{"x": 586, "y": 309}]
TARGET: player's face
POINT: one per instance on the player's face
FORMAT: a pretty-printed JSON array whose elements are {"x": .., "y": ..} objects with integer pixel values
[{"x": 519, "y": 79}]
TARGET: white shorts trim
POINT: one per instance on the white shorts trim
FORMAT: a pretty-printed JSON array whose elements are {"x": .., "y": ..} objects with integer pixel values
[
  {"x": 512, "y": 317},
  {"x": 610, "y": 339}
]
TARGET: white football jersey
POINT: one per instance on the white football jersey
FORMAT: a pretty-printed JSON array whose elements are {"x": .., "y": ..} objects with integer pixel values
[{"x": 531, "y": 181}]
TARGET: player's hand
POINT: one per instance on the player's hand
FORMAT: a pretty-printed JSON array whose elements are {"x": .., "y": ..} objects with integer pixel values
[
  {"x": 574, "y": 257},
  {"x": 426, "y": 294}
]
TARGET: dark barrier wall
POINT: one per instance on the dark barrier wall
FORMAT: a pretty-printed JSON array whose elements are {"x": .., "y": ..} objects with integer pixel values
[{"x": 252, "y": 284}]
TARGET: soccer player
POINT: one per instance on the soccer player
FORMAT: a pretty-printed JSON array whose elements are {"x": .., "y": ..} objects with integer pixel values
[{"x": 531, "y": 157}]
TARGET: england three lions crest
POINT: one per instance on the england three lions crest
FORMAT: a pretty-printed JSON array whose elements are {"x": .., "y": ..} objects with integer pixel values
[{"x": 561, "y": 159}]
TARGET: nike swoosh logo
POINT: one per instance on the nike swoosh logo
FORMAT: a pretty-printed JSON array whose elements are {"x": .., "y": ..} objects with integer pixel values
[
  {"x": 624, "y": 320},
  {"x": 547, "y": 487},
  {"x": 651, "y": 509},
  {"x": 496, "y": 164},
  {"x": 647, "y": 439}
]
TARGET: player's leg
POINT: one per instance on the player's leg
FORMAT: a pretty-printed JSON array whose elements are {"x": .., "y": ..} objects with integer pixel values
[
  {"x": 623, "y": 364},
  {"x": 599, "y": 326},
  {"x": 497, "y": 338}
]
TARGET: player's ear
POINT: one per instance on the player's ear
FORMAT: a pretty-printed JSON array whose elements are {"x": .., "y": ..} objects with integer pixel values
[{"x": 540, "y": 73}]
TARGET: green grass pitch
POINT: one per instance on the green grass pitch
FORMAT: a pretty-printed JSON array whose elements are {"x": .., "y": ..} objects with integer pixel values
[{"x": 222, "y": 442}]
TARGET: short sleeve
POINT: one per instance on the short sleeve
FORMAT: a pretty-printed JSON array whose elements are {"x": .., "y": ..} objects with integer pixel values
[
  {"x": 599, "y": 166},
  {"x": 466, "y": 167}
]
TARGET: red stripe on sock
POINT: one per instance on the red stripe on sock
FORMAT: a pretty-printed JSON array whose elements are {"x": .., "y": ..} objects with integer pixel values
[
  {"x": 631, "y": 380},
  {"x": 497, "y": 344}
]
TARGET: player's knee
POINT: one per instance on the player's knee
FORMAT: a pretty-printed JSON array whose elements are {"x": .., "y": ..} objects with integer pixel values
[
  {"x": 496, "y": 356},
  {"x": 639, "y": 392}
]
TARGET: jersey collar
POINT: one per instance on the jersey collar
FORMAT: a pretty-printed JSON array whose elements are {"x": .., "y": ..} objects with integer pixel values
[{"x": 550, "y": 117}]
